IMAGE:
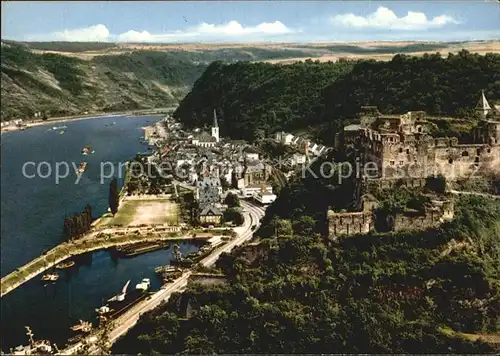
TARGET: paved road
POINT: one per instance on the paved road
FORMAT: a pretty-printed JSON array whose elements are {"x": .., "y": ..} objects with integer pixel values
[{"x": 252, "y": 215}]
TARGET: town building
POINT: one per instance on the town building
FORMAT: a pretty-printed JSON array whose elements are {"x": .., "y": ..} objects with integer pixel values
[
  {"x": 265, "y": 195},
  {"x": 284, "y": 138},
  {"x": 208, "y": 140},
  {"x": 250, "y": 190},
  {"x": 210, "y": 215},
  {"x": 208, "y": 191}
]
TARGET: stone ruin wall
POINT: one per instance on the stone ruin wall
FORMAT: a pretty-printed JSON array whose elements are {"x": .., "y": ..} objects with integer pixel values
[
  {"x": 462, "y": 161},
  {"x": 430, "y": 219},
  {"x": 349, "y": 223},
  {"x": 445, "y": 157}
]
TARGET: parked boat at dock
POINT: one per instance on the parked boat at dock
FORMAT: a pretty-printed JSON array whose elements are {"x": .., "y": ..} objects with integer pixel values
[
  {"x": 82, "y": 326},
  {"x": 123, "y": 301},
  {"x": 35, "y": 347},
  {"x": 50, "y": 277},
  {"x": 140, "y": 248},
  {"x": 64, "y": 265}
]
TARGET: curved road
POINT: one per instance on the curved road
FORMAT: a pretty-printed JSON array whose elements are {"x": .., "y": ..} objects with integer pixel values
[{"x": 252, "y": 215}]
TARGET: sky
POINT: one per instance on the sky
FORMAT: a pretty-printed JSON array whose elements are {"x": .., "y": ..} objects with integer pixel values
[{"x": 250, "y": 21}]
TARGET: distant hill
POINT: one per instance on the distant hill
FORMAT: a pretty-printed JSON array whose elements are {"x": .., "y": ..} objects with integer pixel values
[
  {"x": 65, "y": 78},
  {"x": 65, "y": 85}
]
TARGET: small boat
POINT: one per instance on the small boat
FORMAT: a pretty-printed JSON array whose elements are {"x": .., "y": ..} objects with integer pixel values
[
  {"x": 50, "y": 277},
  {"x": 64, "y": 265},
  {"x": 61, "y": 132},
  {"x": 92, "y": 152},
  {"x": 83, "y": 326},
  {"x": 86, "y": 150},
  {"x": 103, "y": 310},
  {"x": 81, "y": 167},
  {"x": 144, "y": 285},
  {"x": 59, "y": 128},
  {"x": 120, "y": 297}
]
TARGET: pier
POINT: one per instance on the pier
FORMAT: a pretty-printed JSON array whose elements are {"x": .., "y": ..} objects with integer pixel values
[{"x": 96, "y": 240}]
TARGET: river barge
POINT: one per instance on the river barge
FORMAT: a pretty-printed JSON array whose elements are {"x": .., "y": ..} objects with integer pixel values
[
  {"x": 120, "y": 303},
  {"x": 139, "y": 248}
]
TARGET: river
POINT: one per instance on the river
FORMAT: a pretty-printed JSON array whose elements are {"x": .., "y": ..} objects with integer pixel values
[{"x": 33, "y": 211}]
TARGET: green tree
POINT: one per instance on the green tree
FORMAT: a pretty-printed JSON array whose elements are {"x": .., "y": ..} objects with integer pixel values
[
  {"x": 232, "y": 200},
  {"x": 113, "y": 199}
]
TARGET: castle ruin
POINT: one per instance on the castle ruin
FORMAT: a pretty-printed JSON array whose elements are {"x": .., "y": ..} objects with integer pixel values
[{"x": 403, "y": 150}]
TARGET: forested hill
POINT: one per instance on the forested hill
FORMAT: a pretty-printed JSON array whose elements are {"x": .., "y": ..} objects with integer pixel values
[
  {"x": 251, "y": 97},
  {"x": 60, "y": 84}
]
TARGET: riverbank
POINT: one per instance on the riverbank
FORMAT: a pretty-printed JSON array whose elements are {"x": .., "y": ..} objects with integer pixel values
[{"x": 64, "y": 119}]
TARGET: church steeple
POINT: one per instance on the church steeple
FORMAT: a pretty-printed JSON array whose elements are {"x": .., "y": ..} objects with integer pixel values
[
  {"x": 482, "y": 105},
  {"x": 215, "y": 128},
  {"x": 216, "y": 124}
]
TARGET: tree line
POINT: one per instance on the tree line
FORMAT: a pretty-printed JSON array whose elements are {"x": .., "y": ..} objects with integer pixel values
[{"x": 78, "y": 224}]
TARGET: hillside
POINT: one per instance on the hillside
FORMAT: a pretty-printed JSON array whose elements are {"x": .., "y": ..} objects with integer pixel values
[
  {"x": 250, "y": 97},
  {"x": 64, "y": 85}
]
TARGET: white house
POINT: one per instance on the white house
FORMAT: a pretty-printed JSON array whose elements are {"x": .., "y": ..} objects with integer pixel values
[
  {"x": 251, "y": 189},
  {"x": 264, "y": 197},
  {"x": 285, "y": 138},
  {"x": 297, "y": 159}
]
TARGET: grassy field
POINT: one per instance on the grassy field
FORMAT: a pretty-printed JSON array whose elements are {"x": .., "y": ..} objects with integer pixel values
[{"x": 137, "y": 212}]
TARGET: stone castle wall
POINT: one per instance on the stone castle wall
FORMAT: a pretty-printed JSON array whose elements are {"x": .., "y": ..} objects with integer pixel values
[
  {"x": 349, "y": 223},
  {"x": 430, "y": 219},
  {"x": 356, "y": 223}
]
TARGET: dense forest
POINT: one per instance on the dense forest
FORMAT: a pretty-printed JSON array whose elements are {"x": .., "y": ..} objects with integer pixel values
[
  {"x": 431, "y": 291},
  {"x": 257, "y": 96}
]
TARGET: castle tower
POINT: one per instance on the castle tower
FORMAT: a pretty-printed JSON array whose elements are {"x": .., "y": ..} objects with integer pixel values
[
  {"x": 215, "y": 128},
  {"x": 483, "y": 107}
]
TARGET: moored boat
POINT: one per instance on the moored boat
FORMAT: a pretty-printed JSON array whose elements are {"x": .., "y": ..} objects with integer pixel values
[
  {"x": 144, "y": 285},
  {"x": 50, "y": 277},
  {"x": 64, "y": 265},
  {"x": 166, "y": 269},
  {"x": 35, "y": 347},
  {"x": 83, "y": 326},
  {"x": 82, "y": 167}
]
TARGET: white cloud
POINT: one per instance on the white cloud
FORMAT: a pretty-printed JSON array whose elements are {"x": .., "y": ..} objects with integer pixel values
[
  {"x": 232, "y": 30},
  {"x": 96, "y": 33},
  {"x": 385, "y": 18}
]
